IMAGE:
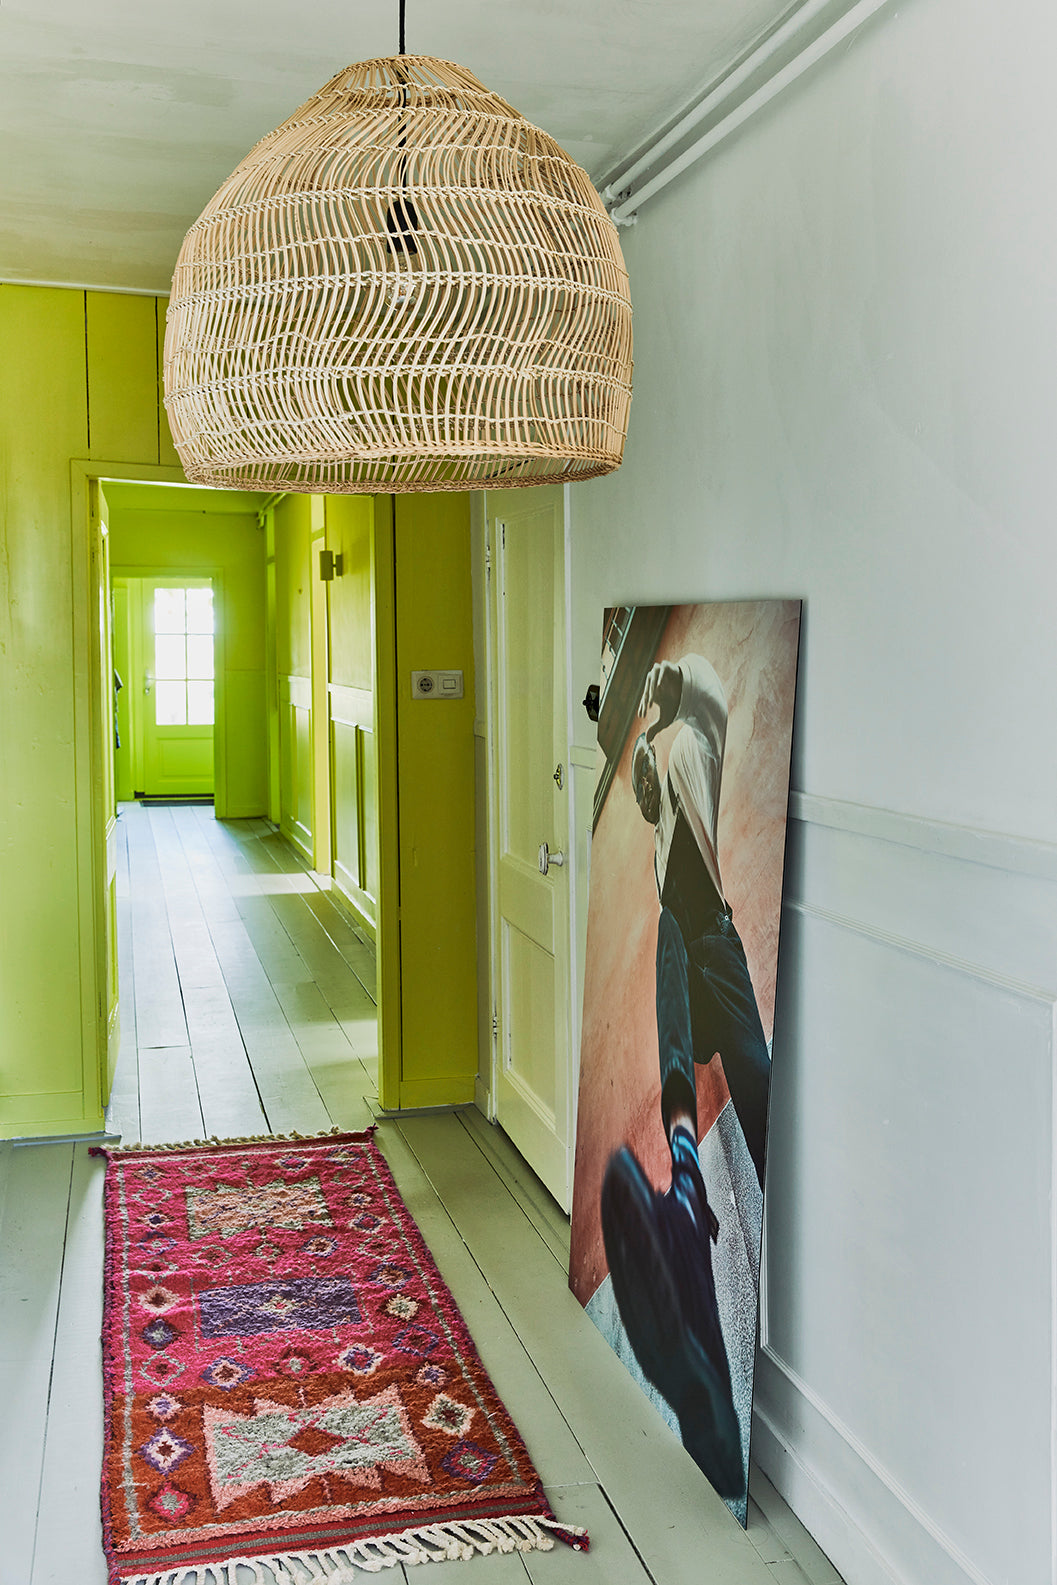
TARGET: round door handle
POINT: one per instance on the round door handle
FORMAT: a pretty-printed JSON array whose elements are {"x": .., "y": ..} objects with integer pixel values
[{"x": 547, "y": 858}]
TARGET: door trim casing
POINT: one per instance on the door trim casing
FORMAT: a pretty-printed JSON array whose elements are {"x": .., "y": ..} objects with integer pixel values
[{"x": 90, "y": 792}]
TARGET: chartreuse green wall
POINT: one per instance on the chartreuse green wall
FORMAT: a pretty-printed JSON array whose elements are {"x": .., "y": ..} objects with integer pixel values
[
  {"x": 80, "y": 398},
  {"x": 80, "y": 381},
  {"x": 390, "y": 775},
  {"x": 157, "y": 528},
  {"x": 435, "y": 743}
]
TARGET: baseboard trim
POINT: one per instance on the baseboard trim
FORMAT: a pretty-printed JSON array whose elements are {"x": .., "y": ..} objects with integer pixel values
[{"x": 931, "y": 1557}]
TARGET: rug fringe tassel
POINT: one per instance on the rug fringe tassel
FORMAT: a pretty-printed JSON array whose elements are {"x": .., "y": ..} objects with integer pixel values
[
  {"x": 213, "y": 1142},
  {"x": 435, "y": 1543}
]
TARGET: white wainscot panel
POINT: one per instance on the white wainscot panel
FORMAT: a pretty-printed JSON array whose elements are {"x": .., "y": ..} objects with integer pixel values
[{"x": 905, "y": 1391}]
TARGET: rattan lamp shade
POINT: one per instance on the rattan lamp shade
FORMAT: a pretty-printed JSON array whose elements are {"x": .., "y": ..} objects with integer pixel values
[{"x": 406, "y": 286}]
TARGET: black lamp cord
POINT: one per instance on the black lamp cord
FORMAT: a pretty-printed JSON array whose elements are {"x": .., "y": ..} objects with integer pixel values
[{"x": 406, "y": 220}]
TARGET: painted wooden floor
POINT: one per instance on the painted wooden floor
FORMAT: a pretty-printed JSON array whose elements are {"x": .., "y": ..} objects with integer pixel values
[{"x": 246, "y": 1009}]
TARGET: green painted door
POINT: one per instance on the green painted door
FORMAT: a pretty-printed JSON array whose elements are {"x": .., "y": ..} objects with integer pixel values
[{"x": 177, "y": 625}]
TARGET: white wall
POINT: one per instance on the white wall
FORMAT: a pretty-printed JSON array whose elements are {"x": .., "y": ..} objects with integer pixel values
[{"x": 845, "y": 389}]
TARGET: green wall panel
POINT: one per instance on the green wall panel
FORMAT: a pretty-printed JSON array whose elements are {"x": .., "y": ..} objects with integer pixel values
[
  {"x": 73, "y": 363},
  {"x": 293, "y": 615},
  {"x": 434, "y": 629},
  {"x": 43, "y": 423},
  {"x": 122, "y": 339}
]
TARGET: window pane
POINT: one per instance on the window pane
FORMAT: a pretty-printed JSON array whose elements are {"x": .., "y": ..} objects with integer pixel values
[
  {"x": 169, "y": 611},
  {"x": 200, "y": 704},
  {"x": 199, "y": 610},
  {"x": 199, "y": 657},
  {"x": 170, "y": 704},
  {"x": 170, "y": 656}
]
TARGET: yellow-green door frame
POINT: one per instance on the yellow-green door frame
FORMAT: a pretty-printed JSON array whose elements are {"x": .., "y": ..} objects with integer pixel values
[
  {"x": 92, "y": 795},
  {"x": 387, "y": 926}
]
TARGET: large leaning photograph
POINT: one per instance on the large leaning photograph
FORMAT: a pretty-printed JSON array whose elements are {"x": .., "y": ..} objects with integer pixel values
[{"x": 692, "y": 787}]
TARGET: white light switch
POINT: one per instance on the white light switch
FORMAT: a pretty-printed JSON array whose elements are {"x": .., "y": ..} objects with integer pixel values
[{"x": 436, "y": 685}]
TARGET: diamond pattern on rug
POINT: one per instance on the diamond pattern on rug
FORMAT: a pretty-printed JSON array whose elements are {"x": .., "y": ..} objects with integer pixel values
[{"x": 165, "y": 1451}]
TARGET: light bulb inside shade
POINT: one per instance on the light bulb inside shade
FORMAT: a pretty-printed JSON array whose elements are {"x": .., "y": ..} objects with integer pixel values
[{"x": 401, "y": 222}]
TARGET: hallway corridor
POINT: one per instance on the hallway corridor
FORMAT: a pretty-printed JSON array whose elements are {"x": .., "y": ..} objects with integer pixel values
[{"x": 247, "y": 1008}]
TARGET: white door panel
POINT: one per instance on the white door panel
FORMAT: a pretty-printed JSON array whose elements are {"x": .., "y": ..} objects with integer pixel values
[{"x": 531, "y": 1082}]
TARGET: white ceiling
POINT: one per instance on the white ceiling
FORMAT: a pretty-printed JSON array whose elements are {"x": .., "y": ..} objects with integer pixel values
[{"x": 120, "y": 118}]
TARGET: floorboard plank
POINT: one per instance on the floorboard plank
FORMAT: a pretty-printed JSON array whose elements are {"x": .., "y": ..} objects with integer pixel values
[
  {"x": 790, "y": 1533},
  {"x": 309, "y": 936},
  {"x": 211, "y": 884},
  {"x": 196, "y": 961},
  {"x": 227, "y": 1091},
  {"x": 610, "y": 1559},
  {"x": 122, "y": 1112},
  {"x": 297, "y": 885},
  {"x": 7, "y": 1151},
  {"x": 279, "y": 957},
  {"x": 358, "y": 952},
  {"x": 327, "y": 1054},
  {"x": 159, "y": 1005},
  {"x": 352, "y": 1006},
  {"x": 667, "y": 1507},
  {"x": 170, "y": 1111},
  {"x": 288, "y": 1093},
  {"x": 69, "y": 1535},
  {"x": 31, "y": 1248},
  {"x": 552, "y": 1446},
  {"x": 538, "y": 1204},
  {"x": 285, "y": 1088}
]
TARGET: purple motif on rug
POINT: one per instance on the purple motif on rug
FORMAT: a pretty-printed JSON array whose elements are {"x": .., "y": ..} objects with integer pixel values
[{"x": 307, "y": 1303}]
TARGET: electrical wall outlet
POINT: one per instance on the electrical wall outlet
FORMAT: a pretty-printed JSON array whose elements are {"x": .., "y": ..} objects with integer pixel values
[{"x": 436, "y": 685}]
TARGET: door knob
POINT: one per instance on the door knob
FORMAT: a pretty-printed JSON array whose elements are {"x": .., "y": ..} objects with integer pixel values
[{"x": 547, "y": 858}]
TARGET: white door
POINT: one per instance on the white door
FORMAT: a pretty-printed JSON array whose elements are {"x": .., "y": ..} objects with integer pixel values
[{"x": 528, "y": 734}]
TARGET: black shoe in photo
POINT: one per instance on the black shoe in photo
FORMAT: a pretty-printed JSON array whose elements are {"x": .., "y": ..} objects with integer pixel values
[{"x": 660, "y": 1259}]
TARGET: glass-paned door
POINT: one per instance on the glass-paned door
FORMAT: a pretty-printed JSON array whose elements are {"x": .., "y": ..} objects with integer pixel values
[{"x": 179, "y": 630}]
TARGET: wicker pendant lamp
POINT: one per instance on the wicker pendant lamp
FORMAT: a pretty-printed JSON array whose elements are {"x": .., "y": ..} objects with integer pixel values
[{"x": 406, "y": 286}]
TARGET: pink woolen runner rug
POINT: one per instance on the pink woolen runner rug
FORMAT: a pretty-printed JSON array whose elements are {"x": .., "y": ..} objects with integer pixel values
[{"x": 291, "y": 1393}]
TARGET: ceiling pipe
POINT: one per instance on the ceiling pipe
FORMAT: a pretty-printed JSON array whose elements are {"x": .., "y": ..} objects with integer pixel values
[
  {"x": 622, "y": 188},
  {"x": 725, "y": 89}
]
